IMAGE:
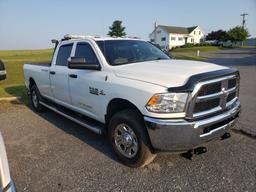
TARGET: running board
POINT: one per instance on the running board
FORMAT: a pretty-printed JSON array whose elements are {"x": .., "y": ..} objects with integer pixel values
[{"x": 81, "y": 121}]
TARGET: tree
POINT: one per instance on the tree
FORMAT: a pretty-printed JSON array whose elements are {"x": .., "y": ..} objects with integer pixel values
[
  {"x": 237, "y": 33},
  {"x": 219, "y": 35},
  {"x": 117, "y": 29}
]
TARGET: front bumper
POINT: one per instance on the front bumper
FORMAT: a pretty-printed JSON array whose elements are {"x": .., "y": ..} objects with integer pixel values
[{"x": 182, "y": 135}]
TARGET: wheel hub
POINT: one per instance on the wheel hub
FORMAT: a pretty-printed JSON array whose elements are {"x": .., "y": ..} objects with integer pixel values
[
  {"x": 34, "y": 99},
  {"x": 126, "y": 141}
]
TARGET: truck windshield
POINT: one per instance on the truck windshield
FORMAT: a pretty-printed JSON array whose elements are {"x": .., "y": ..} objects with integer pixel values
[{"x": 120, "y": 52}]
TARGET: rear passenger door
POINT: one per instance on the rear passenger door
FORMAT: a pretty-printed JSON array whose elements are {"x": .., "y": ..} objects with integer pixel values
[{"x": 59, "y": 74}]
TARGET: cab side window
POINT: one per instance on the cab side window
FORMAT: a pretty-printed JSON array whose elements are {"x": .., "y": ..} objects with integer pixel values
[
  {"x": 63, "y": 55},
  {"x": 84, "y": 50}
]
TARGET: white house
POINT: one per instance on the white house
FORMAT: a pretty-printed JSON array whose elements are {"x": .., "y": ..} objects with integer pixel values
[{"x": 168, "y": 37}]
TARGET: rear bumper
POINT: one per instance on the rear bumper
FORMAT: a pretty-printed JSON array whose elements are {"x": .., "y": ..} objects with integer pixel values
[
  {"x": 2, "y": 75},
  {"x": 182, "y": 135}
]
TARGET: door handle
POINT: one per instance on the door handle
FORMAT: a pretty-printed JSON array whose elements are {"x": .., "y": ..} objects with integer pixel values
[
  {"x": 72, "y": 75},
  {"x": 52, "y": 72},
  {"x": 44, "y": 70}
]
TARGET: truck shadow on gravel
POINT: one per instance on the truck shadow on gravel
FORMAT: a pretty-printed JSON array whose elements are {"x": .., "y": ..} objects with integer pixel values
[
  {"x": 18, "y": 91},
  {"x": 98, "y": 142}
]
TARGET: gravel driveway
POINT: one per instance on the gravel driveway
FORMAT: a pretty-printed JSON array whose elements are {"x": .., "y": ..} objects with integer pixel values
[{"x": 50, "y": 153}]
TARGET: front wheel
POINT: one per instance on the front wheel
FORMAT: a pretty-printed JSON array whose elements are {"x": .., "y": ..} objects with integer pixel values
[{"x": 129, "y": 139}]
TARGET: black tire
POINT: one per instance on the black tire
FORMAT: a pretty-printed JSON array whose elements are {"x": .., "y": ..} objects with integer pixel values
[
  {"x": 35, "y": 98},
  {"x": 134, "y": 121}
]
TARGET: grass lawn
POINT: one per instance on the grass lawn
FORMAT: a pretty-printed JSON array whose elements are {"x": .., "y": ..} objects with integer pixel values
[
  {"x": 201, "y": 49},
  {"x": 14, "y": 60},
  {"x": 186, "y": 57}
]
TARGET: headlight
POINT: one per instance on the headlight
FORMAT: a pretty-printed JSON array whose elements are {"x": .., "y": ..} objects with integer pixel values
[{"x": 167, "y": 103}]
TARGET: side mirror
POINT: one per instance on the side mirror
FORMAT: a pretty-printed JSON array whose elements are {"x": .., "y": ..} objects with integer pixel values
[
  {"x": 2, "y": 71},
  {"x": 80, "y": 63}
]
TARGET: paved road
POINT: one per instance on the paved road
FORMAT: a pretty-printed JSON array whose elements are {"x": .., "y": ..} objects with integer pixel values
[
  {"x": 245, "y": 61},
  {"x": 50, "y": 153},
  {"x": 233, "y": 57}
]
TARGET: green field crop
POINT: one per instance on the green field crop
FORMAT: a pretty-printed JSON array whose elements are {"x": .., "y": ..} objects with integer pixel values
[{"x": 14, "y": 61}]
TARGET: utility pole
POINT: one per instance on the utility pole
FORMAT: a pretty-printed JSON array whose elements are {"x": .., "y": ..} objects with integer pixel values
[
  {"x": 155, "y": 26},
  {"x": 243, "y": 23},
  {"x": 243, "y": 15}
]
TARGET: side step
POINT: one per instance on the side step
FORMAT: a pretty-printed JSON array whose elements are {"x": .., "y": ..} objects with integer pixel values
[{"x": 75, "y": 117}]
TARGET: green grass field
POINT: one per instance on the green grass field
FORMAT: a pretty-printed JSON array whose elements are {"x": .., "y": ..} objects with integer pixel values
[
  {"x": 190, "y": 57},
  {"x": 201, "y": 49},
  {"x": 14, "y": 60}
]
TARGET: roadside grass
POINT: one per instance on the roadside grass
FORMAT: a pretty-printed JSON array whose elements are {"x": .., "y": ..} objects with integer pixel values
[
  {"x": 201, "y": 49},
  {"x": 186, "y": 57},
  {"x": 14, "y": 60}
]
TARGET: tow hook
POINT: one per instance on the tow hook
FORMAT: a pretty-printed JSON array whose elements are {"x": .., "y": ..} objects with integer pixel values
[
  {"x": 200, "y": 150},
  {"x": 225, "y": 136},
  {"x": 197, "y": 151}
]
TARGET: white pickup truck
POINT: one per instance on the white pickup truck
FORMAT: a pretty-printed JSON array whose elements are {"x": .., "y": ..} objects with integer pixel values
[{"x": 132, "y": 91}]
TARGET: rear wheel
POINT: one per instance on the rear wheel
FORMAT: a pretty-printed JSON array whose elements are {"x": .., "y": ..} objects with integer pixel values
[
  {"x": 35, "y": 98},
  {"x": 129, "y": 139}
]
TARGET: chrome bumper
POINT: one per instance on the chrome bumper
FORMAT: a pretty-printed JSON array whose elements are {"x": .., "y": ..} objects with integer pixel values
[{"x": 182, "y": 135}]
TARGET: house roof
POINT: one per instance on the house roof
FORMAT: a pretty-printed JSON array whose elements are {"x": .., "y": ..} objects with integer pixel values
[{"x": 178, "y": 30}]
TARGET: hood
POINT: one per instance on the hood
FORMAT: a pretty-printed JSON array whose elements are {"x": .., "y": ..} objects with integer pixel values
[{"x": 167, "y": 73}]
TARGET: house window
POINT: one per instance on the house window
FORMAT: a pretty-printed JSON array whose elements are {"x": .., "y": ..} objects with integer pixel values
[
  {"x": 192, "y": 40},
  {"x": 199, "y": 32},
  {"x": 173, "y": 38},
  {"x": 194, "y": 32},
  {"x": 180, "y": 39},
  {"x": 163, "y": 39}
]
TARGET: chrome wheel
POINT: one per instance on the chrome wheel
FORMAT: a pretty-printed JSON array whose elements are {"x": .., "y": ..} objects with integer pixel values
[
  {"x": 34, "y": 99},
  {"x": 125, "y": 140}
]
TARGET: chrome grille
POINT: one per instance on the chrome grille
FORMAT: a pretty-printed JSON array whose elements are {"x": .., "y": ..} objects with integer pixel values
[{"x": 213, "y": 96}]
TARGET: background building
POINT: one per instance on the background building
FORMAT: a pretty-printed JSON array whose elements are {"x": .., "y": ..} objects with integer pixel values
[{"x": 168, "y": 37}]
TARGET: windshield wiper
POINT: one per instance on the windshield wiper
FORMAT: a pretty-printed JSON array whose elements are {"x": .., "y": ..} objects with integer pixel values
[{"x": 160, "y": 58}]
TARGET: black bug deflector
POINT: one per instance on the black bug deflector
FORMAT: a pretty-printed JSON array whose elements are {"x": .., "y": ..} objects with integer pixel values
[{"x": 194, "y": 79}]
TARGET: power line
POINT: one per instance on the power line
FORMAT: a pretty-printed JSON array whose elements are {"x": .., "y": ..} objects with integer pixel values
[{"x": 243, "y": 15}]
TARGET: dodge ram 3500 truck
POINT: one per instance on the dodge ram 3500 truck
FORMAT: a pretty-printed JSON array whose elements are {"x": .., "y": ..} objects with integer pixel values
[{"x": 132, "y": 91}]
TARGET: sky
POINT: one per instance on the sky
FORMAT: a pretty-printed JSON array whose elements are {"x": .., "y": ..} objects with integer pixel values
[{"x": 31, "y": 24}]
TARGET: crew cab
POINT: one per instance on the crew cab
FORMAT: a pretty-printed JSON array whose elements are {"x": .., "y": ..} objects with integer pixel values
[
  {"x": 143, "y": 100},
  {"x": 2, "y": 71}
]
